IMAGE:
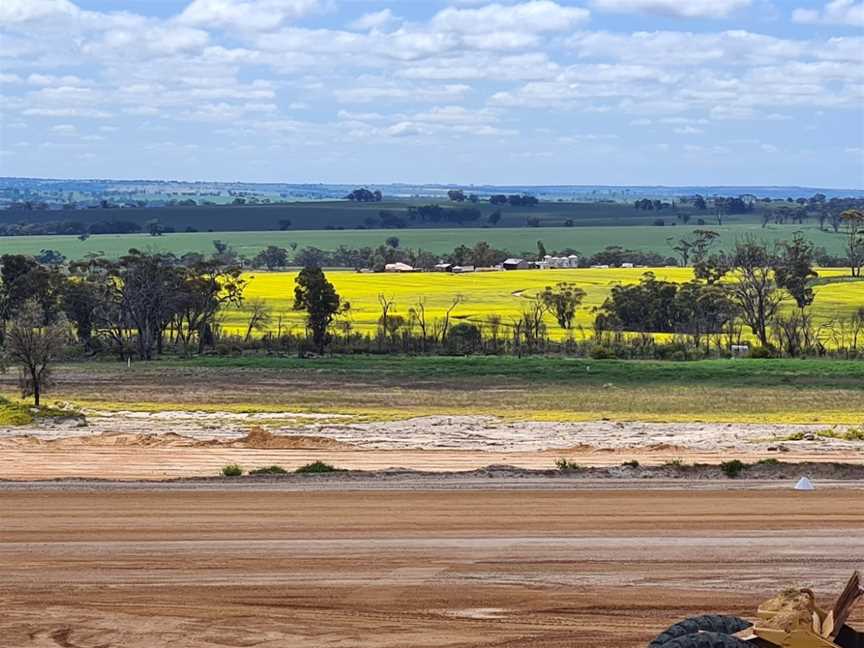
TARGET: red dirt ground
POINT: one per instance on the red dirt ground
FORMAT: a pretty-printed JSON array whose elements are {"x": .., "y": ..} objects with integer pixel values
[{"x": 218, "y": 567}]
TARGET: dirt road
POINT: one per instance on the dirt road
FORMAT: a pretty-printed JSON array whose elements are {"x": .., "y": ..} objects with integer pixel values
[{"x": 138, "y": 568}]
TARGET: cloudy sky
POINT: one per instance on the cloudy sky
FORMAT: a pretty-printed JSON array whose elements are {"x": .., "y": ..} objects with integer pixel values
[{"x": 536, "y": 92}]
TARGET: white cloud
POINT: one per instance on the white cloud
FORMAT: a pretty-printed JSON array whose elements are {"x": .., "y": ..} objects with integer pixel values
[
  {"x": 64, "y": 129},
  {"x": 440, "y": 121},
  {"x": 50, "y": 80},
  {"x": 245, "y": 14},
  {"x": 534, "y": 17},
  {"x": 677, "y": 8},
  {"x": 20, "y": 11},
  {"x": 395, "y": 92},
  {"x": 729, "y": 48},
  {"x": 66, "y": 112},
  {"x": 375, "y": 20},
  {"x": 530, "y": 66},
  {"x": 836, "y": 12},
  {"x": 456, "y": 115},
  {"x": 156, "y": 39}
]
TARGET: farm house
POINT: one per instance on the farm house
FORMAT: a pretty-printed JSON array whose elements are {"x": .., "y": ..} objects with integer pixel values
[{"x": 515, "y": 264}]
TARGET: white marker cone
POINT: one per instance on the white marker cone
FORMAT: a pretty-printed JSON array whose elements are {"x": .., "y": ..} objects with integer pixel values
[{"x": 804, "y": 484}]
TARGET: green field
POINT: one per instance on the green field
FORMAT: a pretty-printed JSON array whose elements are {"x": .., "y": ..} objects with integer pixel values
[
  {"x": 586, "y": 240},
  {"x": 319, "y": 215}
]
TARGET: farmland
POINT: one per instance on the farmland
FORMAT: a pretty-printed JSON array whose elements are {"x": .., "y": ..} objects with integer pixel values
[
  {"x": 586, "y": 240},
  {"x": 318, "y": 215},
  {"x": 491, "y": 293}
]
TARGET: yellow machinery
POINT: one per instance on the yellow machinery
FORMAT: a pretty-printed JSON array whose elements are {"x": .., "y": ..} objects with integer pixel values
[{"x": 790, "y": 620}]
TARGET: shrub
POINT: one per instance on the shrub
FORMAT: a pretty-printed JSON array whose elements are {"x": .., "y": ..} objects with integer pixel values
[
  {"x": 675, "y": 351},
  {"x": 733, "y": 468},
  {"x": 316, "y": 467},
  {"x": 794, "y": 436},
  {"x": 269, "y": 470},
  {"x": 854, "y": 434},
  {"x": 232, "y": 470},
  {"x": 602, "y": 353},
  {"x": 760, "y": 353},
  {"x": 674, "y": 463},
  {"x": 14, "y": 413},
  {"x": 564, "y": 464},
  {"x": 631, "y": 464},
  {"x": 464, "y": 339},
  {"x": 771, "y": 461}
]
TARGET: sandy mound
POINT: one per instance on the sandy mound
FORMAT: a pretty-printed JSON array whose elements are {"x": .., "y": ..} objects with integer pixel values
[
  {"x": 122, "y": 439},
  {"x": 257, "y": 439},
  {"x": 260, "y": 439}
]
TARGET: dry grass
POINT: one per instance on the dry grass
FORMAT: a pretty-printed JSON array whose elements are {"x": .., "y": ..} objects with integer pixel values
[{"x": 266, "y": 392}]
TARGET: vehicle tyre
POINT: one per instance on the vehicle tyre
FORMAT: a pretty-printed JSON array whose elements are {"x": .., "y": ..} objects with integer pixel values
[
  {"x": 707, "y": 640},
  {"x": 718, "y": 623}
]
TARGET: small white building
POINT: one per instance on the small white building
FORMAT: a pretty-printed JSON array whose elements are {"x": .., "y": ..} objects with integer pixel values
[
  {"x": 398, "y": 267},
  {"x": 462, "y": 269}
]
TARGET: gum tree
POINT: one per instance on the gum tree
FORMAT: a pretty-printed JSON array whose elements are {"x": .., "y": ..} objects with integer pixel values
[
  {"x": 317, "y": 296},
  {"x": 34, "y": 345}
]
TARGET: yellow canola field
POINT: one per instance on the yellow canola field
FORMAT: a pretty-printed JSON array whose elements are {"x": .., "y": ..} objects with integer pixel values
[{"x": 487, "y": 293}]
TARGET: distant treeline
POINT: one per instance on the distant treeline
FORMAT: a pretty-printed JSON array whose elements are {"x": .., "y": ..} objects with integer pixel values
[
  {"x": 460, "y": 210},
  {"x": 481, "y": 255}
]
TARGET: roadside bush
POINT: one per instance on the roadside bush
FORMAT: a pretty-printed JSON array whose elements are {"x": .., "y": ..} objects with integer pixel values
[
  {"x": 566, "y": 465},
  {"x": 228, "y": 348},
  {"x": 854, "y": 434},
  {"x": 464, "y": 339},
  {"x": 602, "y": 353},
  {"x": 316, "y": 467},
  {"x": 232, "y": 470},
  {"x": 733, "y": 468},
  {"x": 630, "y": 464},
  {"x": 771, "y": 461},
  {"x": 672, "y": 351},
  {"x": 269, "y": 470},
  {"x": 760, "y": 353}
]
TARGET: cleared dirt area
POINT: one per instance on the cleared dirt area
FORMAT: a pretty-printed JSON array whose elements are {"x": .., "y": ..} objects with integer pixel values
[
  {"x": 143, "y": 567},
  {"x": 175, "y": 443}
]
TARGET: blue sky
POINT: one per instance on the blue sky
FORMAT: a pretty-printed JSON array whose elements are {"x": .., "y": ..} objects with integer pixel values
[{"x": 744, "y": 92}]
